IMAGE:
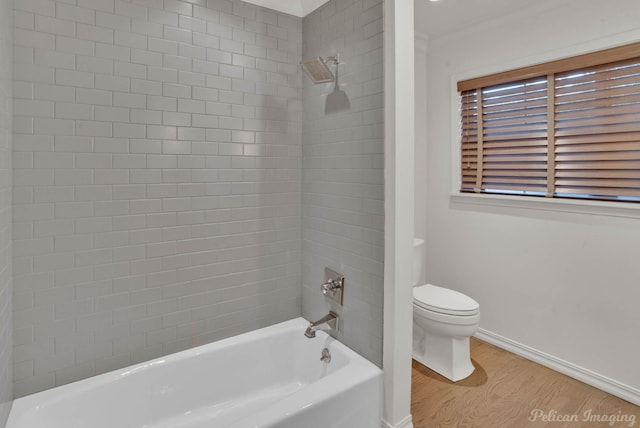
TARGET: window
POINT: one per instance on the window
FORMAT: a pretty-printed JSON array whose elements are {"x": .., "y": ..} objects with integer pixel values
[{"x": 566, "y": 129}]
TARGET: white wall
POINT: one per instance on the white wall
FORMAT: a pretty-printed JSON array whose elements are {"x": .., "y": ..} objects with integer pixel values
[
  {"x": 157, "y": 180},
  {"x": 6, "y": 336},
  {"x": 563, "y": 283},
  {"x": 399, "y": 138},
  {"x": 420, "y": 154}
]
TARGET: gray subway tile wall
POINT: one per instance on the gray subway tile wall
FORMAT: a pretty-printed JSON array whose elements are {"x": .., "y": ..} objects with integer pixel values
[
  {"x": 157, "y": 181},
  {"x": 6, "y": 334},
  {"x": 343, "y": 171}
]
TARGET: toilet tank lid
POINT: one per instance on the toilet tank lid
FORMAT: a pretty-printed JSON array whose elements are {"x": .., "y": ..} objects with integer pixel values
[{"x": 429, "y": 295}]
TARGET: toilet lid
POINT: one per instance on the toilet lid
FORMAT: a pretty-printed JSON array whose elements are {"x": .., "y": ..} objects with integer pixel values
[{"x": 444, "y": 300}]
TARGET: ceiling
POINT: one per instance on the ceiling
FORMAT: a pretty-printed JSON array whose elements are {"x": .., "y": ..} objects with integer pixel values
[
  {"x": 299, "y": 8},
  {"x": 431, "y": 17},
  {"x": 435, "y": 18}
]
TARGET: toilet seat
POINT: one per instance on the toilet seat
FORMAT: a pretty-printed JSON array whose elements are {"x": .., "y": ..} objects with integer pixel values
[{"x": 444, "y": 301}]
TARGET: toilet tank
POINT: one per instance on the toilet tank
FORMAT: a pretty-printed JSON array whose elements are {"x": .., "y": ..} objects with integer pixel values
[{"x": 418, "y": 261}]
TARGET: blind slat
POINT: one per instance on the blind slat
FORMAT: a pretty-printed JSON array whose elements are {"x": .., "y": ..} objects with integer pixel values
[
  {"x": 616, "y": 182},
  {"x": 604, "y": 93},
  {"x": 603, "y": 129},
  {"x": 614, "y": 173},
  {"x": 525, "y": 136},
  {"x": 525, "y": 112},
  {"x": 496, "y": 182},
  {"x": 619, "y": 119},
  {"x": 605, "y": 165},
  {"x": 538, "y": 150},
  {"x": 601, "y": 102},
  {"x": 565, "y": 114},
  {"x": 510, "y": 120},
  {"x": 537, "y": 173},
  {"x": 505, "y": 166},
  {"x": 599, "y": 192},
  {"x": 630, "y": 83},
  {"x": 605, "y": 156},
  {"x": 491, "y": 130},
  {"x": 600, "y": 72},
  {"x": 508, "y": 186},
  {"x": 515, "y": 143},
  {"x": 599, "y": 138},
  {"x": 499, "y": 108},
  {"x": 601, "y": 147}
]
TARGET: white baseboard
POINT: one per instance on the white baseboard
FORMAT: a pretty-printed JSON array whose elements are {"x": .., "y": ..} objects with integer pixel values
[
  {"x": 407, "y": 422},
  {"x": 596, "y": 380}
]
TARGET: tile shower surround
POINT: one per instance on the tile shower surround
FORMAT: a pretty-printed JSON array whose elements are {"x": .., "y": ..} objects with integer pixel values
[
  {"x": 157, "y": 181},
  {"x": 157, "y": 178},
  {"x": 6, "y": 341},
  {"x": 343, "y": 171}
]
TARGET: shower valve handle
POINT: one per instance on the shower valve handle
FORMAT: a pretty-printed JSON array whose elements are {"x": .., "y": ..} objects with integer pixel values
[{"x": 331, "y": 286}]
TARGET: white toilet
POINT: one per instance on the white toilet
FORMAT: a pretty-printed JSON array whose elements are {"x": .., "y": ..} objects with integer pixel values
[{"x": 443, "y": 321}]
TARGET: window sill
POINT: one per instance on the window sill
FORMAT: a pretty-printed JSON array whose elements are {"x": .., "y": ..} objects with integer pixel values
[{"x": 600, "y": 208}]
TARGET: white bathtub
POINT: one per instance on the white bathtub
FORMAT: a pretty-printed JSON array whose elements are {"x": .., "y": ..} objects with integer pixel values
[{"x": 272, "y": 377}]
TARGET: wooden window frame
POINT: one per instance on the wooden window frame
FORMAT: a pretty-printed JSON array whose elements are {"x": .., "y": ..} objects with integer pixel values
[{"x": 547, "y": 71}]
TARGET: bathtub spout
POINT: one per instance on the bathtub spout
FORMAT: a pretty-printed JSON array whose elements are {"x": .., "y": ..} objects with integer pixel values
[{"x": 329, "y": 322}]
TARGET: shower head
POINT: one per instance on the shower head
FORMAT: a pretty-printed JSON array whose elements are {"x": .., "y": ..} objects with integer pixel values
[{"x": 317, "y": 70}]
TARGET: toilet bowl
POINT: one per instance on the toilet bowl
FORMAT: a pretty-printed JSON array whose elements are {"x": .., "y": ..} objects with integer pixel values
[{"x": 443, "y": 321}]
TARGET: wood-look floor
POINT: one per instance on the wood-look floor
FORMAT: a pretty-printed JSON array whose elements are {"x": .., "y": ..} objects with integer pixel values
[{"x": 505, "y": 389}]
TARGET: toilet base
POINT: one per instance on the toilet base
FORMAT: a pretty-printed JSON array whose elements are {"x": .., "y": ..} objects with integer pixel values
[{"x": 447, "y": 356}]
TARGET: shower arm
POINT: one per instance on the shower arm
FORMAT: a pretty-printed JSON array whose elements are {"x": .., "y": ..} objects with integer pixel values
[{"x": 334, "y": 58}]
